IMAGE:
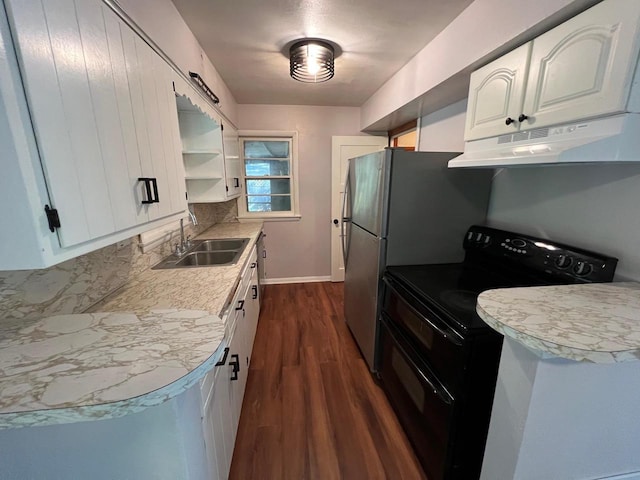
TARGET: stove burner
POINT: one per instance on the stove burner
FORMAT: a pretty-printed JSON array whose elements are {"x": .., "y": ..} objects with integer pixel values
[{"x": 461, "y": 299}]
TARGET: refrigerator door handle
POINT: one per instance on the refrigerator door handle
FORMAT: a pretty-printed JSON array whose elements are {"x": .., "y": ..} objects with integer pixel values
[{"x": 345, "y": 219}]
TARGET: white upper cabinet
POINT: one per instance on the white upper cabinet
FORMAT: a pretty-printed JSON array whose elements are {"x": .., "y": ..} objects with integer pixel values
[
  {"x": 209, "y": 149},
  {"x": 581, "y": 69},
  {"x": 104, "y": 120},
  {"x": 584, "y": 67},
  {"x": 495, "y": 95}
]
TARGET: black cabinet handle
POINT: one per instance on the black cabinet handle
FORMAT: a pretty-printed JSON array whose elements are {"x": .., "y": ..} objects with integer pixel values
[
  {"x": 224, "y": 358},
  {"x": 155, "y": 190},
  {"x": 522, "y": 117},
  {"x": 255, "y": 291},
  {"x": 509, "y": 121},
  {"x": 236, "y": 180},
  {"x": 149, "y": 183},
  {"x": 253, "y": 265},
  {"x": 240, "y": 305},
  {"x": 235, "y": 363}
]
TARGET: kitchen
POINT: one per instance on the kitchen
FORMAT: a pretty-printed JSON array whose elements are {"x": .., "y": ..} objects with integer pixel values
[{"x": 587, "y": 205}]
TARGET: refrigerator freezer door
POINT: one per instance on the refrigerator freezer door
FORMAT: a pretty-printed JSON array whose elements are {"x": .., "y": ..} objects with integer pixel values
[
  {"x": 366, "y": 191},
  {"x": 361, "y": 289}
]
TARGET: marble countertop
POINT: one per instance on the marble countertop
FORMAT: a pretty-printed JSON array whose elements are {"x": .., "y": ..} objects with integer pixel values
[
  {"x": 144, "y": 344},
  {"x": 598, "y": 322}
]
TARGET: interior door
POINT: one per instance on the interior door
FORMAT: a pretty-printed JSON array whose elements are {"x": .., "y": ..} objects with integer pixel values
[{"x": 344, "y": 148}]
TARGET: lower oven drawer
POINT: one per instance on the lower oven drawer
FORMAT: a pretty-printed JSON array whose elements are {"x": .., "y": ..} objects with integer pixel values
[{"x": 423, "y": 406}]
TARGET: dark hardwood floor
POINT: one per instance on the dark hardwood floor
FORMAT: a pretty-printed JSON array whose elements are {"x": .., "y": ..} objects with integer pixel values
[{"x": 311, "y": 409}]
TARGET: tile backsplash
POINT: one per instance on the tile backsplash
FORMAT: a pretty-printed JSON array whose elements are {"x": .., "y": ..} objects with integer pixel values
[{"x": 75, "y": 285}]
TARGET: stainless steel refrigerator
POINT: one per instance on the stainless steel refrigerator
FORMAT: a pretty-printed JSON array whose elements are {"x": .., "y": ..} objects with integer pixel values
[{"x": 402, "y": 208}]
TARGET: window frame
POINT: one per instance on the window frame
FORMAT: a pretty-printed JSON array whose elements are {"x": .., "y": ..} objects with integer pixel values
[{"x": 292, "y": 136}]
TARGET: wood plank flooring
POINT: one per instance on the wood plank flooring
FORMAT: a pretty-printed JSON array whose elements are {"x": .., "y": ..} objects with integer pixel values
[{"x": 311, "y": 409}]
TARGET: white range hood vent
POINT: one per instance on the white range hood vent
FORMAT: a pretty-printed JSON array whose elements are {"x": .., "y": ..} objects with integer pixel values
[{"x": 607, "y": 139}]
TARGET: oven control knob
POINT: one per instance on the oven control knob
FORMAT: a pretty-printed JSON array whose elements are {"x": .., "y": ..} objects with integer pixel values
[
  {"x": 563, "y": 261},
  {"x": 582, "y": 268},
  {"x": 518, "y": 243}
]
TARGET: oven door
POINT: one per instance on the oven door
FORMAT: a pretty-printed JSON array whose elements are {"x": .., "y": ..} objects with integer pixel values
[
  {"x": 442, "y": 348},
  {"x": 423, "y": 405}
]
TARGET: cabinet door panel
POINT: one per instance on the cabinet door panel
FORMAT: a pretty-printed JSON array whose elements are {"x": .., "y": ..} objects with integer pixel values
[
  {"x": 54, "y": 72},
  {"x": 495, "y": 93},
  {"x": 100, "y": 74},
  {"x": 170, "y": 136},
  {"x": 151, "y": 99},
  {"x": 125, "y": 110},
  {"x": 583, "y": 67},
  {"x": 135, "y": 82},
  {"x": 232, "y": 165}
]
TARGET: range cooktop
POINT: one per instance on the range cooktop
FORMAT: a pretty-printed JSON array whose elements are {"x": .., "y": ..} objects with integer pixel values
[{"x": 498, "y": 259}]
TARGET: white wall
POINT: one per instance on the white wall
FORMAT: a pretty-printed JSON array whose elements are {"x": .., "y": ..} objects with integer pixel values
[
  {"x": 589, "y": 206},
  {"x": 303, "y": 248},
  {"x": 439, "y": 74},
  {"x": 443, "y": 130},
  {"x": 161, "y": 21}
]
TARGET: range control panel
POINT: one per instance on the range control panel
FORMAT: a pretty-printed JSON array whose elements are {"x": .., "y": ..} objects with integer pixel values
[{"x": 570, "y": 264}]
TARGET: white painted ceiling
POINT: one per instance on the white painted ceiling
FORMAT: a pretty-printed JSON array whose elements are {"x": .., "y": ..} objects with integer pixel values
[{"x": 245, "y": 40}]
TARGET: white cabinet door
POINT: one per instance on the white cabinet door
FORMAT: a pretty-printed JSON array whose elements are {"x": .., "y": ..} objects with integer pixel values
[
  {"x": 87, "y": 77},
  {"x": 584, "y": 67},
  {"x": 496, "y": 93},
  {"x": 223, "y": 428},
  {"x": 232, "y": 164}
]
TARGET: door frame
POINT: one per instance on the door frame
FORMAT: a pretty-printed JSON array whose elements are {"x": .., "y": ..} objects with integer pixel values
[{"x": 338, "y": 144}]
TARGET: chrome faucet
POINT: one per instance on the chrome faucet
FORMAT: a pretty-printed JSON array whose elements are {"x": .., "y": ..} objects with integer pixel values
[
  {"x": 184, "y": 245},
  {"x": 194, "y": 220}
]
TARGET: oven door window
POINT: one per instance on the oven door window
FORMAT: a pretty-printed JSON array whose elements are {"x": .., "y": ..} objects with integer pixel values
[{"x": 424, "y": 407}]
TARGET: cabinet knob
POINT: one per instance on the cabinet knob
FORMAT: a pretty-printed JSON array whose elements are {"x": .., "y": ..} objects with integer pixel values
[
  {"x": 509, "y": 121},
  {"x": 522, "y": 117}
]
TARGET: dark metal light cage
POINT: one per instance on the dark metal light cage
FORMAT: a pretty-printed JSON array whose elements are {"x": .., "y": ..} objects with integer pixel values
[{"x": 315, "y": 53}]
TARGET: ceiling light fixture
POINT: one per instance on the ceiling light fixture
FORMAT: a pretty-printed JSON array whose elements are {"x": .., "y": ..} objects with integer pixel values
[{"x": 311, "y": 61}]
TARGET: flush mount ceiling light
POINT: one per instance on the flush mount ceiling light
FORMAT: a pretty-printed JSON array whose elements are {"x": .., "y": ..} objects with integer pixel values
[{"x": 311, "y": 61}]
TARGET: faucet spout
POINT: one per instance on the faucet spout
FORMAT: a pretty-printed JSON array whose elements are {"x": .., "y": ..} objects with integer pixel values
[{"x": 194, "y": 220}]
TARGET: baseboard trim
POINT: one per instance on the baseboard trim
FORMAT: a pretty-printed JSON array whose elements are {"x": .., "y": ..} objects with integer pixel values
[{"x": 281, "y": 281}]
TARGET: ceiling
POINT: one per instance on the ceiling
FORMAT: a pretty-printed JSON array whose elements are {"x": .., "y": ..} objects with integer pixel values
[{"x": 245, "y": 40}]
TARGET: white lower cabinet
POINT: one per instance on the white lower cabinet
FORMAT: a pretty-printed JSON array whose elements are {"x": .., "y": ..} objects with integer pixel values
[
  {"x": 223, "y": 388},
  {"x": 94, "y": 132}
]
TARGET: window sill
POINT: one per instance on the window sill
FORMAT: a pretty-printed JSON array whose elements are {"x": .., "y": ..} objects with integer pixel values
[{"x": 270, "y": 218}]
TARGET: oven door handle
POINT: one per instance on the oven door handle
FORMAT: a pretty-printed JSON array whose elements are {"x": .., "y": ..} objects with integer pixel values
[
  {"x": 447, "y": 333},
  {"x": 440, "y": 391}
]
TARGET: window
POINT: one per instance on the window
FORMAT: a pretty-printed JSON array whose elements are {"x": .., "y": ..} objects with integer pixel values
[{"x": 269, "y": 169}]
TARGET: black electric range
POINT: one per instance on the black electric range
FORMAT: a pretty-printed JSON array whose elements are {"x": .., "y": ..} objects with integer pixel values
[{"x": 436, "y": 358}]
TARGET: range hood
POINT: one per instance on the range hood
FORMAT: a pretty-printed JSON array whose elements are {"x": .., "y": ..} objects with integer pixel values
[{"x": 606, "y": 139}]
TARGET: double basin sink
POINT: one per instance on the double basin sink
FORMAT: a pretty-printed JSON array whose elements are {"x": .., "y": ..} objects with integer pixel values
[{"x": 207, "y": 253}]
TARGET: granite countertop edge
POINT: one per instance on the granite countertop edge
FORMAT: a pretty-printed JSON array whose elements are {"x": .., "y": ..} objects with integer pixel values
[{"x": 500, "y": 308}]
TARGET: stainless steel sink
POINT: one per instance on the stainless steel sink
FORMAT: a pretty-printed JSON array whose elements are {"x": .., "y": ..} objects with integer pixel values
[
  {"x": 205, "y": 259},
  {"x": 222, "y": 244},
  {"x": 207, "y": 253}
]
